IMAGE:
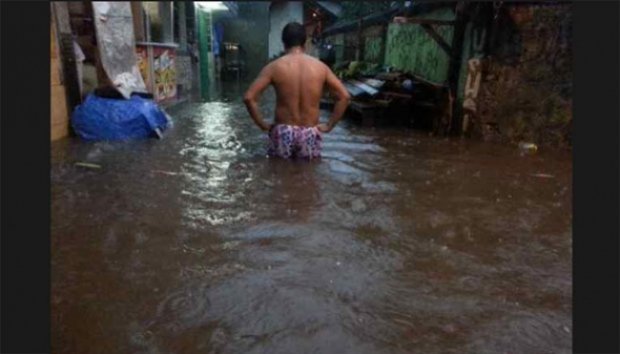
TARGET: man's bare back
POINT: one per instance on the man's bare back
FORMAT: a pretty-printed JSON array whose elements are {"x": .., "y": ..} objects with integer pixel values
[{"x": 298, "y": 80}]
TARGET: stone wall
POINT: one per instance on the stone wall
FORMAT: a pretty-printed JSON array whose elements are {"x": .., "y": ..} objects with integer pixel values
[{"x": 525, "y": 90}]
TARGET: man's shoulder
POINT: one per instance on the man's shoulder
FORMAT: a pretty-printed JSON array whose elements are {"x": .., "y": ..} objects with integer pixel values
[
  {"x": 276, "y": 64},
  {"x": 281, "y": 67},
  {"x": 314, "y": 61}
]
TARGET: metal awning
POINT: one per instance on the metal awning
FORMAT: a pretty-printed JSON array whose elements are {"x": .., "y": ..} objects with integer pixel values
[
  {"x": 330, "y": 6},
  {"x": 369, "y": 20}
]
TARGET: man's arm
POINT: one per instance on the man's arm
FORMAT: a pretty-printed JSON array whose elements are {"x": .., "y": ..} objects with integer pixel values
[
  {"x": 251, "y": 97},
  {"x": 342, "y": 100}
]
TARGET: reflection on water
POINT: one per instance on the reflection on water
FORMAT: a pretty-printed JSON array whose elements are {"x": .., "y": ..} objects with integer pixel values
[{"x": 393, "y": 242}]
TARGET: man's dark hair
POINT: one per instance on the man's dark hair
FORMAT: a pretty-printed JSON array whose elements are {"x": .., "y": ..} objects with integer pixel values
[{"x": 293, "y": 34}]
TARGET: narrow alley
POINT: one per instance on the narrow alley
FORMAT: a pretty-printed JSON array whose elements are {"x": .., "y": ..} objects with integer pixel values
[{"x": 393, "y": 241}]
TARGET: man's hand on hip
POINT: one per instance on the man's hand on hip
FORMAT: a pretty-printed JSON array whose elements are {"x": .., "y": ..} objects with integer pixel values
[{"x": 324, "y": 128}]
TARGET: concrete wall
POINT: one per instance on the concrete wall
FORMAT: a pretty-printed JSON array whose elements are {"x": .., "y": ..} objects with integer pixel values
[
  {"x": 410, "y": 48},
  {"x": 184, "y": 73},
  {"x": 281, "y": 13},
  {"x": 250, "y": 30}
]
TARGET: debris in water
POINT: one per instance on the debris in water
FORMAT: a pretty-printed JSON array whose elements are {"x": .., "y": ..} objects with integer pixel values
[
  {"x": 230, "y": 245},
  {"x": 542, "y": 175},
  {"x": 450, "y": 328},
  {"x": 566, "y": 329},
  {"x": 528, "y": 147},
  {"x": 338, "y": 264},
  {"x": 165, "y": 172},
  {"x": 158, "y": 133},
  {"x": 358, "y": 206},
  {"x": 87, "y": 165}
]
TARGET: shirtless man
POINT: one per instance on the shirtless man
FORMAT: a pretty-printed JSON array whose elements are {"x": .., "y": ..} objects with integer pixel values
[{"x": 298, "y": 80}]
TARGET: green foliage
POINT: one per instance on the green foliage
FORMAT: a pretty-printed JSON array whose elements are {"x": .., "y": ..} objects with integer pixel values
[{"x": 355, "y": 69}]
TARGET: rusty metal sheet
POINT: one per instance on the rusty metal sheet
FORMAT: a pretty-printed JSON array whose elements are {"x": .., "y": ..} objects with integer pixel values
[
  {"x": 353, "y": 90},
  {"x": 364, "y": 87}
]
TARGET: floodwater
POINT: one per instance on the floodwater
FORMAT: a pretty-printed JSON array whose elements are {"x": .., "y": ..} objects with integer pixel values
[{"x": 394, "y": 242}]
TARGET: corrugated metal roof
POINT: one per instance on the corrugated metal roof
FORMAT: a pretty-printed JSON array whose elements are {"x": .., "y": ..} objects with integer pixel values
[{"x": 369, "y": 20}]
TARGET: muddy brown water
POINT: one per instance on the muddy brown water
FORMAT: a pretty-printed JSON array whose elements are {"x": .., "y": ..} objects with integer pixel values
[{"x": 394, "y": 242}]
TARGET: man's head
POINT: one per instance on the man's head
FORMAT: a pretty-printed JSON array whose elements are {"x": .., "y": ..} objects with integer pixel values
[{"x": 293, "y": 35}]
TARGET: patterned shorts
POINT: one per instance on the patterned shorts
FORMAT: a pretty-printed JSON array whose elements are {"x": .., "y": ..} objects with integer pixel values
[{"x": 290, "y": 141}]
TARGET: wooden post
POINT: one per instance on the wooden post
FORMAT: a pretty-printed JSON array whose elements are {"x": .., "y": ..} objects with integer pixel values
[
  {"x": 167, "y": 22},
  {"x": 59, "y": 120},
  {"x": 358, "y": 49},
  {"x": 182, "y": 27},
  {"x": 455, "y": 123},
  {"x": 65, "y": 36},
  {"x": 138, "y": 21},
  {"x": 384, "y": 31},
  {"x": 430, "y": 30}
]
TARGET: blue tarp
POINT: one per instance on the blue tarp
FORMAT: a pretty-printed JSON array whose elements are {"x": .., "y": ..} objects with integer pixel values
[
  {"x": 99, "y": 118},
  {"x": 218, "y": 38}
]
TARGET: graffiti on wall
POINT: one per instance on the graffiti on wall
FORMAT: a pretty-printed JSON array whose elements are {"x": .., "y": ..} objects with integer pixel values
[
  {"x": 161, "y": 78},
  {"x": 164, "y": 72},
  {"x": 143, "y": 65},
  {"x": 472, "y": 86}
]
